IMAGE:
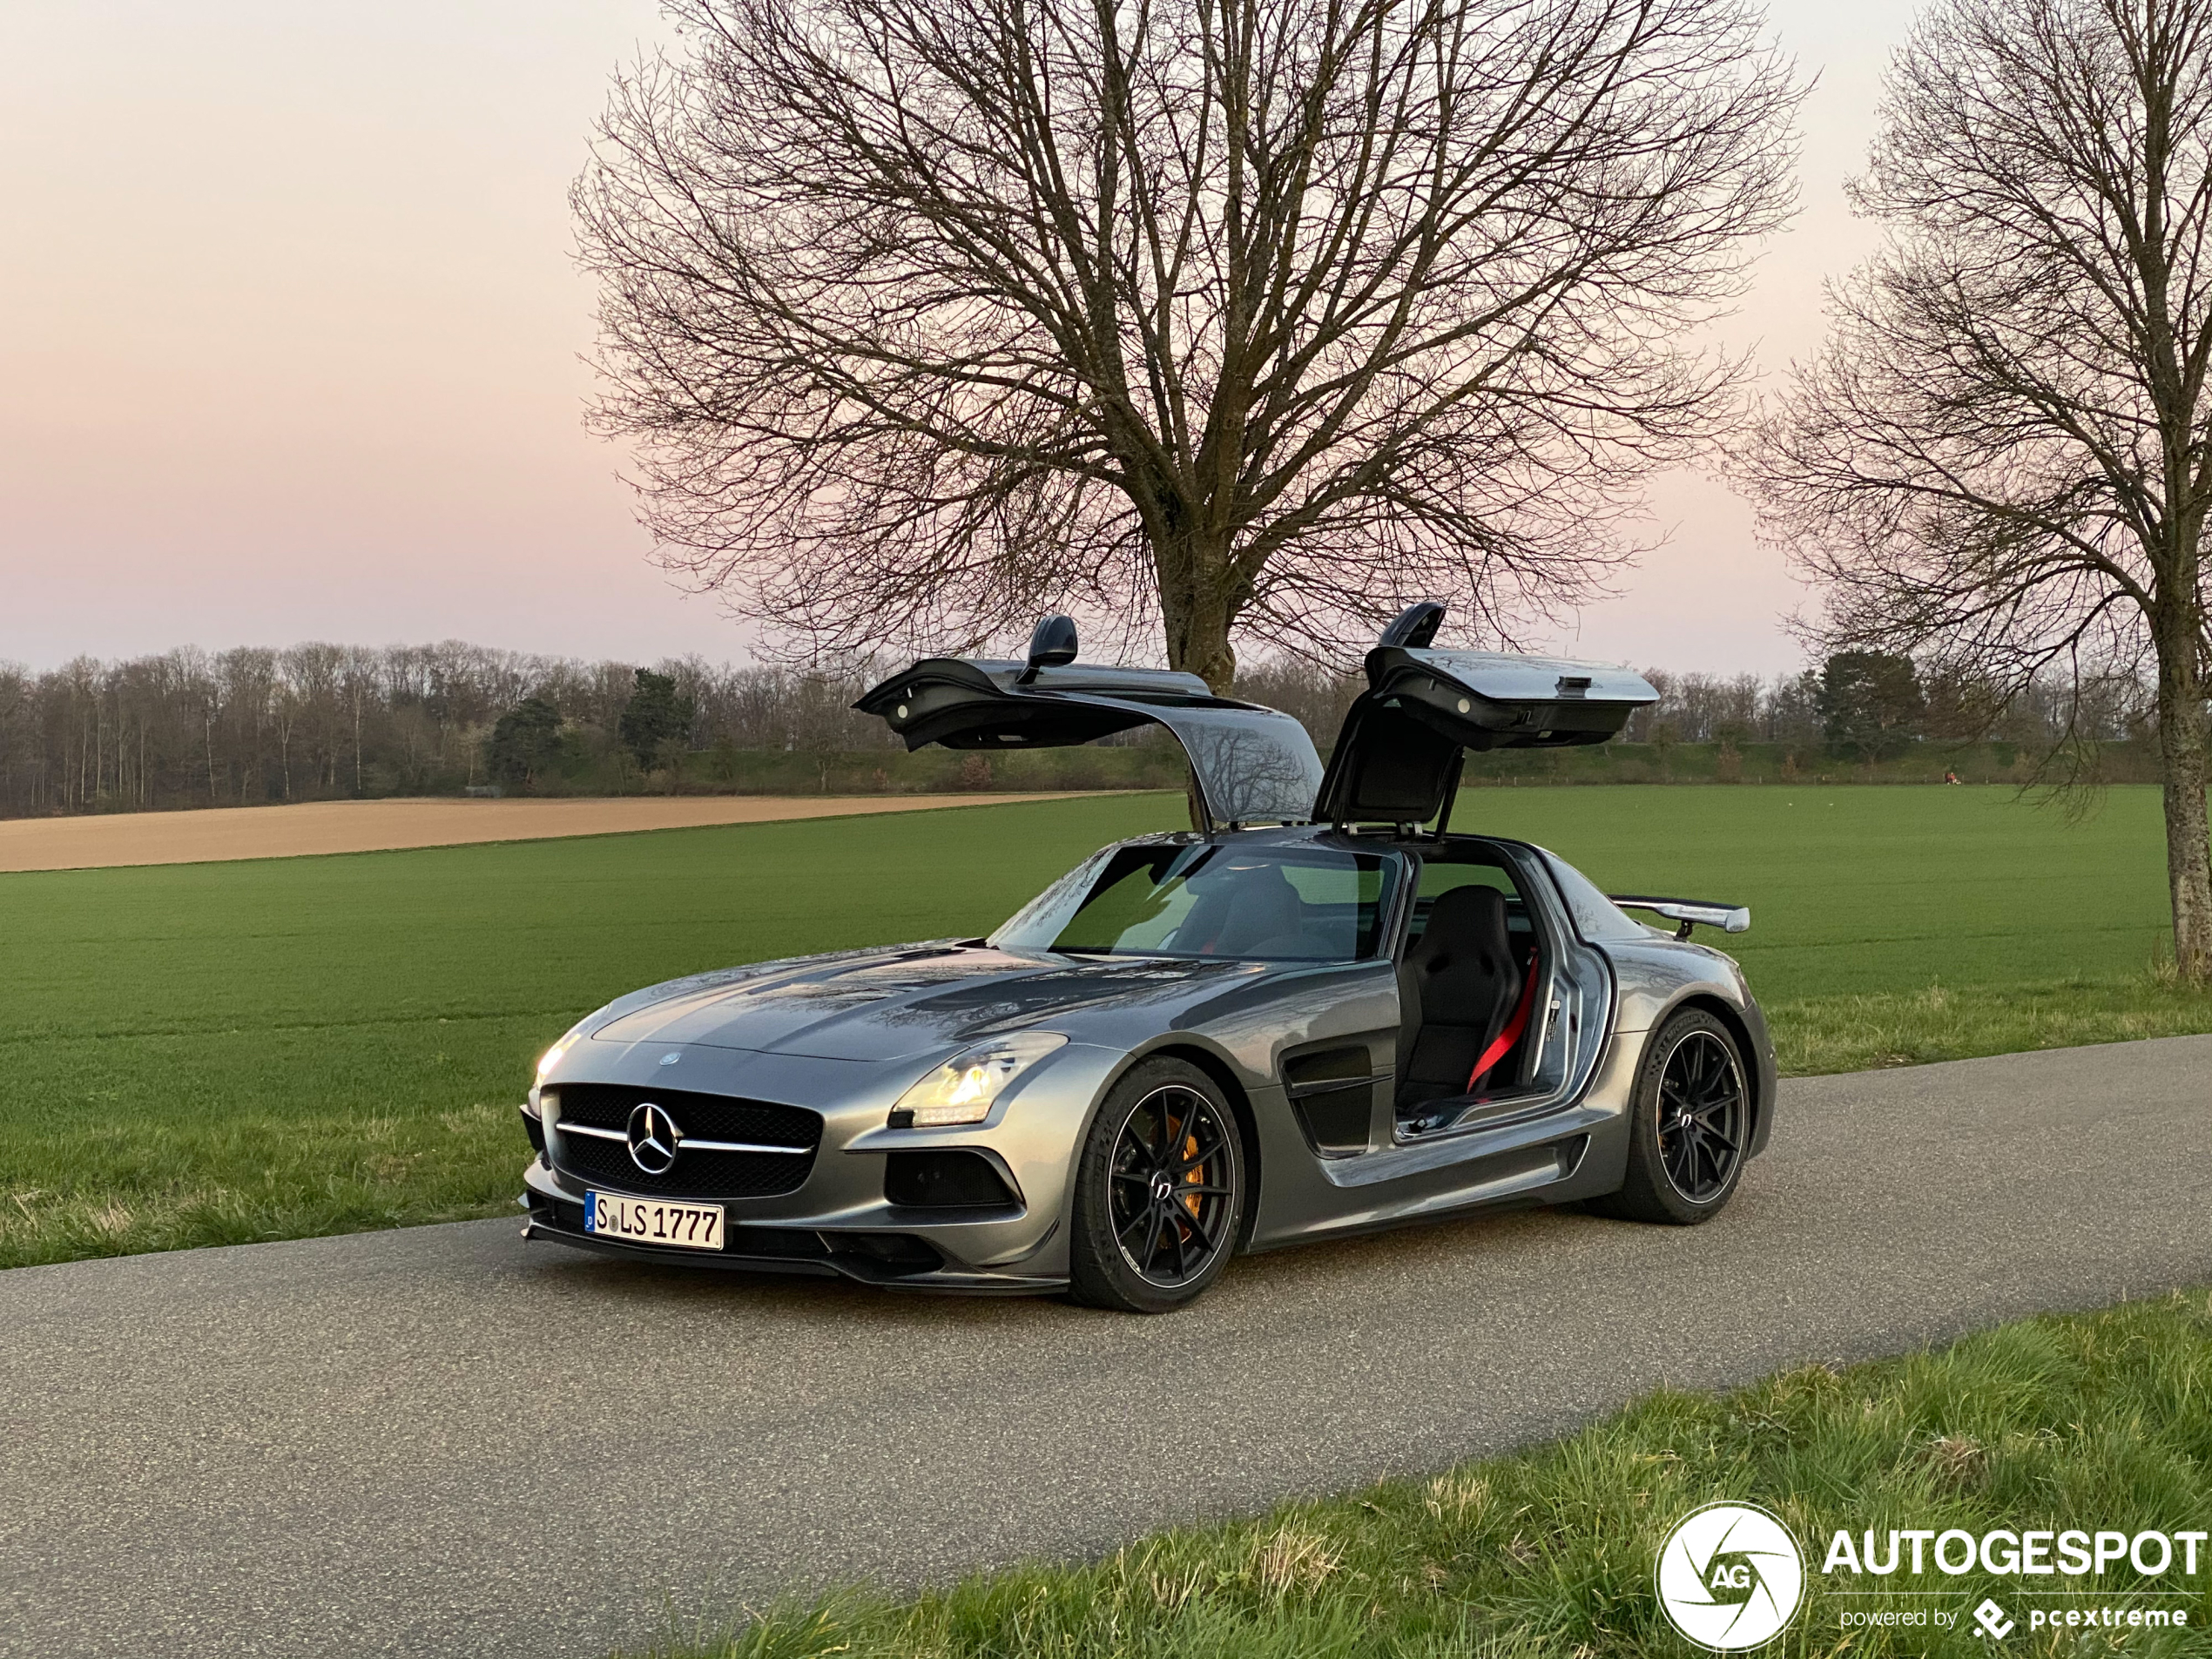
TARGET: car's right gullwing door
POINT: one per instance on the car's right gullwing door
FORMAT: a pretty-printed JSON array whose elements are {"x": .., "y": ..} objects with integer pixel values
[{"x": 1397, "y": 756}]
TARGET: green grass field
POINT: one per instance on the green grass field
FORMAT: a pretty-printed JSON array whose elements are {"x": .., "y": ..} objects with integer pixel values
[
  {"x": 218, "y": 1053},
  {"x": 2093, "y": 1421}
]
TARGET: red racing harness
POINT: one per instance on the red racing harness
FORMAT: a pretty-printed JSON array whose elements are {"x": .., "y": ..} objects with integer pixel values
[{"x": 1505, "y": 1040}]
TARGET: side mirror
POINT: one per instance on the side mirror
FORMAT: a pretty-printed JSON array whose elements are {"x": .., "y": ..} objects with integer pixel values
[
  {"x": 1414, "y": 627},
  {"x": 1053, "y": 644}
]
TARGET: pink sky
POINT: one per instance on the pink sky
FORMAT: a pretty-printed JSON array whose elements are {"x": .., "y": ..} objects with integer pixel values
[{"x": 290, "y": 339}]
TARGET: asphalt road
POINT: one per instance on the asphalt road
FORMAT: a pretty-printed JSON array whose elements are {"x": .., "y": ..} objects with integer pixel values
[{"x": 444, "y": 1441}]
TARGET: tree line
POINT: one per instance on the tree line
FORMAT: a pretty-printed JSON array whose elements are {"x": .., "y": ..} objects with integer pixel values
[
  {"x": 1857, "y": 705},
  {"x": 194, "y": 728},
  {"x": 317, "y": 722}
]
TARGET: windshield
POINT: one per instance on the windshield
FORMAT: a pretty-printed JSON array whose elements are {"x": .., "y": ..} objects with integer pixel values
[{"x": 1256, "y": 903}]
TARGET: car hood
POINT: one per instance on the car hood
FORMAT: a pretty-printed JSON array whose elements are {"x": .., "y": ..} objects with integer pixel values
[{"x": 889, "y": 1004}]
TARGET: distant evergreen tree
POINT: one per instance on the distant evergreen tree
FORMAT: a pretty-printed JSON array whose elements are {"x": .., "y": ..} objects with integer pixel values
[
  {"x": 654, "y": 715},
  {"x": 525, "y": 743},
  {"x": 1871, "y": 703}
]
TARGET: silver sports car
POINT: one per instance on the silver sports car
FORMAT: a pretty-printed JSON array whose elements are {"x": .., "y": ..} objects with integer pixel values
[{"x": 1322, "y": 1012}]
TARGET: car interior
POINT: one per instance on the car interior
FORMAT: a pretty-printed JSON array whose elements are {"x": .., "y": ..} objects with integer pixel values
[
  {"x": 1467, "y": 979},
  {"x": 1284, "y": 911},
  {"x": 1212, "y": 901}
]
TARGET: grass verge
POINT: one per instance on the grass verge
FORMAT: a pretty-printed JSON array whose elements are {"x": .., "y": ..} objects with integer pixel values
[
  {"x": 220, "y": 1053},
  {"x": 2093, "y": 1421},
  {"x": 1938, "y": 1021}
]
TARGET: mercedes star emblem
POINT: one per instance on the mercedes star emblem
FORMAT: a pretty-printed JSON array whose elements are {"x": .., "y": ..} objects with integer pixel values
[{"x": 653, "y": 1138}]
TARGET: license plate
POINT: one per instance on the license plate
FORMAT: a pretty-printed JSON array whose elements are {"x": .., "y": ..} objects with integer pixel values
[{"x": 648, "y": 1221}]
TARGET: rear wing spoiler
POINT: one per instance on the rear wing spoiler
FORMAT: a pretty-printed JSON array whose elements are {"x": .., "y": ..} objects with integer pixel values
[{"x": 1688, "y": 912}]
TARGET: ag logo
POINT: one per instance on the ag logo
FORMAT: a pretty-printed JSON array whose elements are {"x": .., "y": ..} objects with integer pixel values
[{"x": 1730, "y": 1576}]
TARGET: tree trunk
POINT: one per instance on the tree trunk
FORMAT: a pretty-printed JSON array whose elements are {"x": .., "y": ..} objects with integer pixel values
[
  {"x": 2188, "y": 852},
  {"x": 1195, "y": 613},
  {"x": 1195, "y": 609}
]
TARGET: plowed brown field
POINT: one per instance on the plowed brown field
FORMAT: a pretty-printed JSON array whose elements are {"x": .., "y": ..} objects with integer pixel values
[{"x": 222, "y": 833}]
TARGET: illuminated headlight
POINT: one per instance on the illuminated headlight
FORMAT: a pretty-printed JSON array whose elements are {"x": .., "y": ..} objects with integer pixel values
[{"x": 962, "y": 1090}]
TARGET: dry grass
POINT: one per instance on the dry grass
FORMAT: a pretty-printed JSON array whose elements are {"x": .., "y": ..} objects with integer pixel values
[{"x": 223, "y": 834}]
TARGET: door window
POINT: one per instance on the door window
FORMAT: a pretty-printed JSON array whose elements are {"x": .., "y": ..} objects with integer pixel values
[{"x": 1439, "y": 877}]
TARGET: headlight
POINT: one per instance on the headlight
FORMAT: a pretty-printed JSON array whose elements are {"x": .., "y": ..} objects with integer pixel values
[
  {"x": 962, "y": 1090},
  {"x": 551, "y": 1057}
]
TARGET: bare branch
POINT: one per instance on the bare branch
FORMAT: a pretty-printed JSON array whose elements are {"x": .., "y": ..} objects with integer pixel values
[{"x": 1254, "y": 316}]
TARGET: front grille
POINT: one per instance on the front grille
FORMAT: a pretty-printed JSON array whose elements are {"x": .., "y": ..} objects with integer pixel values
[{"x": 709, "y": 1117}]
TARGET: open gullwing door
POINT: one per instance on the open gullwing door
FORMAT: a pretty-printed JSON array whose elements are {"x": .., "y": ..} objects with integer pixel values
[
  {"x": 1397, "y": 757},
  {"x": 1253, "y": 765}
]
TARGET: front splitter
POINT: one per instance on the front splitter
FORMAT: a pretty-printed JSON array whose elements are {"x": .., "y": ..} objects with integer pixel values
[{"x": 860, "y": 1270}]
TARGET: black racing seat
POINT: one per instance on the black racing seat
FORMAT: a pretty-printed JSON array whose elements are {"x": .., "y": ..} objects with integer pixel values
[
  {"x": 1266, "y": 914},
  {"x": 1460, "y": 981},
  {"x": 1239, "y": 909}
]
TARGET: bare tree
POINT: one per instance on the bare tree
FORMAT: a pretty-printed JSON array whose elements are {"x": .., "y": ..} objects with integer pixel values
[
  {"x": 1262, "y": 314},
  {"x": 2002, "y": 457}
]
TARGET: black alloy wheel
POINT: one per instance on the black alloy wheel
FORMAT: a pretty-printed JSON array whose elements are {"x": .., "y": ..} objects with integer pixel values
[
  {"x": 1169, "y": 1186},
  {"x": 1159, "y": 1193},
  {"x": 1702, "y": 1115},
  {"x": 1689, "y": 1122}
]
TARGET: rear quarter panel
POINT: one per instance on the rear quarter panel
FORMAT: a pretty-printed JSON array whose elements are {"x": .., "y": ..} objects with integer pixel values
[{"x": 1656, "y": 976}]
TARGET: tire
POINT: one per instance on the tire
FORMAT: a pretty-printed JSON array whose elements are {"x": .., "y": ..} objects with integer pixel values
[
  {"x": 1690, "y": 1122},
  {"x": 1159, "y": 1191}
]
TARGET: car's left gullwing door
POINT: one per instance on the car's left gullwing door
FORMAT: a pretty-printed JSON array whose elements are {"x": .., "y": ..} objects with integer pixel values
[{"x": 1253, "y": 765}]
